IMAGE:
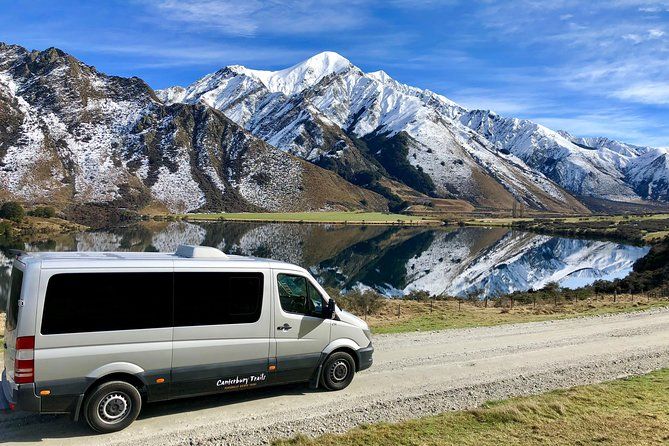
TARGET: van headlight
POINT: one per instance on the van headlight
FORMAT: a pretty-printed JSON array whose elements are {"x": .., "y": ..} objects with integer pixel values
[{"x": 368, "y": 333}]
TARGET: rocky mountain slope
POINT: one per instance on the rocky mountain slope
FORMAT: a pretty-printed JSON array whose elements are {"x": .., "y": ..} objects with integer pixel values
[
  {"x": 73, "y": 135},
  {"x": 368, "y": 125}
]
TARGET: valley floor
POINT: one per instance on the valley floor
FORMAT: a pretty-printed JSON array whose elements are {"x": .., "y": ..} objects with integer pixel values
[
  {"x": 642, "y": 228},
  {"x": 316, "y": 217}
]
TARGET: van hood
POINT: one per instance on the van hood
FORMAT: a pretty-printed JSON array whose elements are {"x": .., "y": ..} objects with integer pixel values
[{"x": 352, "y": 319}]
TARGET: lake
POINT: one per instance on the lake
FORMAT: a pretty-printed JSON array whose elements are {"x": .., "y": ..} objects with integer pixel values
[{"x": 390, "y": 259}]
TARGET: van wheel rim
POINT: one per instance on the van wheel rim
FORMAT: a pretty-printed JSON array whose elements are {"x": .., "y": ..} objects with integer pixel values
[
  {"x": 339, "y": 371},
  {"x": 114, "y": 407}
]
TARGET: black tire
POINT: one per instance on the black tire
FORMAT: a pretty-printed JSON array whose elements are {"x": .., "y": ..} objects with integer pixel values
[
  {"x": 338, "y": 371},
  {"x": 112, "y": 406}
]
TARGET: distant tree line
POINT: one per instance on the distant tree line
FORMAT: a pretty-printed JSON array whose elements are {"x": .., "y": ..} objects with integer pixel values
[{"x": 14, "y": 211}]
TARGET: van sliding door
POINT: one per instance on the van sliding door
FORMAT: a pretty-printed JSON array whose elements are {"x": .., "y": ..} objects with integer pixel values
[{"x": 221, "y": 331}]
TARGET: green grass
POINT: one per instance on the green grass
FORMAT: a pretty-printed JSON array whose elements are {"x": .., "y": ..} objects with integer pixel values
[
  {"x": 633, "y": 411},
  {"x": 442, "y": 315},
  {"x": 315, "y": 217}
]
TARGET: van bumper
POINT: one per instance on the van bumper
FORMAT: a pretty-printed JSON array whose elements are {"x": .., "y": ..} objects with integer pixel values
[
  {"x": 22, "y": 396},
  {"x": 26, "y": 399},
  {"x": 365, "y": 359}
]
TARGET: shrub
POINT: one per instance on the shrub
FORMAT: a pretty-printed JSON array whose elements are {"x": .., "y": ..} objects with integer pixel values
[
  {"x": 417, "y": 295},
  {"x": 5, "y": 229},
  {"x": 43, "y": 211},
  {"x": 360, "y": 302},
  {"x": 12, "y": 210}
]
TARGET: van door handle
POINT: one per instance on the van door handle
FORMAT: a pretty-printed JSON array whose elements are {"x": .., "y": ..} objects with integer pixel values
[{"x": 284, "y": 327}]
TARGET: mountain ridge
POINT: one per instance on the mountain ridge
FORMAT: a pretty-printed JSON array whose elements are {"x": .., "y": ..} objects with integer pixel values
[{"x": 373, "y": 105}]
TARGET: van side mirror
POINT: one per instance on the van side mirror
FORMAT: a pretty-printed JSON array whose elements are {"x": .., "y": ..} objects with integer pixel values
[{"x": 330, "y": 309}]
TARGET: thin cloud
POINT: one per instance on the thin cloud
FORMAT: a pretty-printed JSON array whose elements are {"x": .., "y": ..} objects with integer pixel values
[
  {"x": 255, "y": 17},
  {"x": 646, "y": 93},
  {"x": 623, "y": 125}
]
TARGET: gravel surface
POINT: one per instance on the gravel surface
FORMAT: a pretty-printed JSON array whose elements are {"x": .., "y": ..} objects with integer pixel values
[{"x": 414, "y": 374}]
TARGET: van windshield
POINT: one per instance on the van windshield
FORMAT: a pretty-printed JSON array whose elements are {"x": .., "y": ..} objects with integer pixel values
[{"x": 13, "y": 301}]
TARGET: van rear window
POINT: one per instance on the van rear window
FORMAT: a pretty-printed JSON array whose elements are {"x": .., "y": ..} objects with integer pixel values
[
  {"x": 217, "y": 298},
  {"x": 89, "y": 302},
  {"x": 13, "y": 302}
]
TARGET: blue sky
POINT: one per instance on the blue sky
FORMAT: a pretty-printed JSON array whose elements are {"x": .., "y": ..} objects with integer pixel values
[{"x": 589, "y": 67}]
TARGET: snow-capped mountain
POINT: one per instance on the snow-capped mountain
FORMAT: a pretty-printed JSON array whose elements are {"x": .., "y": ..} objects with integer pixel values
[
  {"x": 321, "y": 134},
  {"x": 330, "y": 112},
  {"x": 646, "y": 169},
  {"x": 70, "y": 134}
]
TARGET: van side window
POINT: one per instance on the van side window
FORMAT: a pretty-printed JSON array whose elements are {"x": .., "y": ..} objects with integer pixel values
[
  {"x": 297, "y": 295},
  {"x": 217, "y": 298},
  {"x": 89, "y": 302}
]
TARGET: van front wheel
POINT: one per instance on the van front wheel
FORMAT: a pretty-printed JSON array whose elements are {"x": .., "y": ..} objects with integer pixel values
[
  {"x": 338, "y": 371},
  {"x": 112, "y": 406}
]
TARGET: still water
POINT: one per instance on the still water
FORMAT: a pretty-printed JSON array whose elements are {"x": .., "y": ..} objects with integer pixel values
[{"x": 392, "y": 260}]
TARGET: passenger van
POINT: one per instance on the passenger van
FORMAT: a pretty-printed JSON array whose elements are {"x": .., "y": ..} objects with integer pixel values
[{"x": 98, "y": 335}]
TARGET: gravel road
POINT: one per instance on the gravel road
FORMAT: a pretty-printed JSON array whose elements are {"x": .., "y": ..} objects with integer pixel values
[{"x": 414, "y": 374}]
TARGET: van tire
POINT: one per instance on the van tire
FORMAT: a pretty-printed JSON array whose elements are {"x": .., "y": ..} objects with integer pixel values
[
  {"x": 112, "y": 406},
  {"x": 338, "y": 371}
]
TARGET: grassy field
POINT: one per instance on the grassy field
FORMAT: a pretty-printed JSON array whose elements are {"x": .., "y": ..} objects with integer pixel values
[
  {"x": 439, "y": 315},
  {"x": 316, "y": 217},
  {"x": 630, "y": 411}
]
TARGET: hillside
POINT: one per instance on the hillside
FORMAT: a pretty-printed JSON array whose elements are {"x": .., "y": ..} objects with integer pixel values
[{"x": 75, "y": 136}]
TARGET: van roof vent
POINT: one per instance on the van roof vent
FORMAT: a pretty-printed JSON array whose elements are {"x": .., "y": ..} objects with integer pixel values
[{"x": 200, "y": 252}]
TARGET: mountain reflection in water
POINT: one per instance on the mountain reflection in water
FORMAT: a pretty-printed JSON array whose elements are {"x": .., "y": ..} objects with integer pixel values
[{"x": 392, "y": 260}]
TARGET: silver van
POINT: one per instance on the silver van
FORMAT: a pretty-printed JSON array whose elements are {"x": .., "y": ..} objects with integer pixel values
[{"x": 99, "y": 334}]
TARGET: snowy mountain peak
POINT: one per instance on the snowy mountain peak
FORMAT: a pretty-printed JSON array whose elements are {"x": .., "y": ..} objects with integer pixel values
[
  {"x": 380, "y": 76},
  {"x": 303, "y": 75}
]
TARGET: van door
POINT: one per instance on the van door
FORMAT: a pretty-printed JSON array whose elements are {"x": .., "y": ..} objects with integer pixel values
[
  {"x": 221, "y": 331},
  {"x": 11, "y": 324},
  {"x": 300, "y": 330}
]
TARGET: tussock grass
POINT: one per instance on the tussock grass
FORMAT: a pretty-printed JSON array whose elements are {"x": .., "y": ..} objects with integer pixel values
[
  {"x": 633, "y": 411},
  {"x": 440, "y": 315}
]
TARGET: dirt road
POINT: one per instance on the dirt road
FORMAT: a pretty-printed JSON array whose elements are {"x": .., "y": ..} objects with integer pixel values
[{"x": 414, "y": 374}]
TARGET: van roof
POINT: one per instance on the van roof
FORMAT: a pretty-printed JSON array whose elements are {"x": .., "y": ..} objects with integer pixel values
[{"x": 185, "y": 256}]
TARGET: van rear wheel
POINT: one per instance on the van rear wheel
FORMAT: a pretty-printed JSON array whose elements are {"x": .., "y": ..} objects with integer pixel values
[
  {"x": 112, "y": 406},
  {"x": 338, "y": 371}
]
